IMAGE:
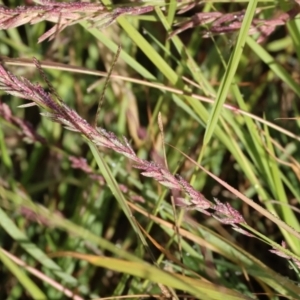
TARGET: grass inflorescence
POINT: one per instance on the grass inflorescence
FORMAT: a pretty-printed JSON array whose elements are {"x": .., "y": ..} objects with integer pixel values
[{"x": 175, "y": 176}]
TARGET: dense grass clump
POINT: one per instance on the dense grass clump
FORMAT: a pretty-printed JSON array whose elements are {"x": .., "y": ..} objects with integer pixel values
[{"x": 149, "y": 150}]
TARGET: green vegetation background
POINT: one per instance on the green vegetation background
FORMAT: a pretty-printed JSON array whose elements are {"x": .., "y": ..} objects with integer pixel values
[{"x": 76, "y": 228}]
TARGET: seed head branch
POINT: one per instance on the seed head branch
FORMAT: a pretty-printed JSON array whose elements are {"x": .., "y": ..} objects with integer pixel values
[
  {"x": 59, "y": 112},
  {"x": 280, "y": 253},
  {"x": 221, "y": 23},
  {"x": 64, "y": 14},
  {"x": 26, "y": 130}
]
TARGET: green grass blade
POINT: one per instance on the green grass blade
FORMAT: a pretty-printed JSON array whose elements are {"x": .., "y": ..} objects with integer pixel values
[
  {"x": 229, "y": 73},
  {"x": 22, "y": 277},
  {"x": 4, "y": 155},
  {"x": 273, "y": 65},
  {"x": 199, "y": 288},
  {"x": 58, "y": 222},
  {"x": 287, "y": 213},
  {"x": 114, "y": 48},
  {"x": 113, "y": 185},
  {"x": 187, "y": 59},
  {"x": 9, "y": 226}
]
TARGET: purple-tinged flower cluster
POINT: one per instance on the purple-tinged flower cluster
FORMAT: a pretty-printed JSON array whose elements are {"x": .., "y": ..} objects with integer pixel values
[
  {"x": 64, "y": 14},
  {"x": 25, "y": 128},
  {"x": 59, "y": 112}
]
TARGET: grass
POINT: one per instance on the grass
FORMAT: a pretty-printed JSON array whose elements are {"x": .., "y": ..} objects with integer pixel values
[{"x": 85, "y": 214}]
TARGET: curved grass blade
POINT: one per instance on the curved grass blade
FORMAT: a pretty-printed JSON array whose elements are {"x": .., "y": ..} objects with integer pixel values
[
  {"x": 273, "y": 65},
  {"x": 229, "y": 250},
  {"x": 202, "y": 289},
  {"x": 9, "y": 226},
  {"x": 115, "y": 189}
]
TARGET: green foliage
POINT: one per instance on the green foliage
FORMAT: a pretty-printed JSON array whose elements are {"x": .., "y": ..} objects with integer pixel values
[{"x": 82, "y": 230}]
